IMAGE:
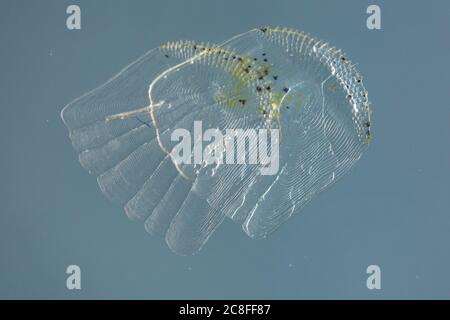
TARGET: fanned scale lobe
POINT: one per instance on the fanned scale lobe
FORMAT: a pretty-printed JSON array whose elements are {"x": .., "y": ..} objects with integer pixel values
[{"x": 266, "y": 78}]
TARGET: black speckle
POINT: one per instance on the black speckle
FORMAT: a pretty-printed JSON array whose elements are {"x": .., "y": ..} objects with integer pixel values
[
  {"x": 359, "y": 81},
  {"x": 242, "y": 101},
  {"x": 265, "y": 60},
  {"x": 261, "y": 77},
  {"x": 263, "y": 29},
  {"x": 263, "y": 54},
  {"x": 287, "y": 107},
  {"x": 275, "y": 77},
  {"x": 268, "y": 88},
  {"x": 266, "y": 72},
  {"x": 166, "y": 55},
  {"x": 254, "y": 59},
  {"x": 195, "y": 47},
  {"x": 367, "y": 124},
  {"x": 343, "y": 58},
  {"x": 234, "y": 57},
  {"x": 258, "y": 88},
  {"x": 349, "y": 96},
  {"x": 285, "y": 89}
]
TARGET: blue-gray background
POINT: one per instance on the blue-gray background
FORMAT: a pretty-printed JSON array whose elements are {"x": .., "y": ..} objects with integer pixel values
[{"x": 392, "y": 210}]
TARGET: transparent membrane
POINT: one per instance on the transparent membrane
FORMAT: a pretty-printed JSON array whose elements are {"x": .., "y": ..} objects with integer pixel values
[{"x": 266, "y": 78}]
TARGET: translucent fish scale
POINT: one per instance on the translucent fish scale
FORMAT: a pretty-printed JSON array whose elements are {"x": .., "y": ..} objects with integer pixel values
[{"x": 266, "y": 78}]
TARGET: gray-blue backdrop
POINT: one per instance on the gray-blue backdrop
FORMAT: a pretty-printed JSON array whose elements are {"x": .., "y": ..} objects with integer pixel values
[{"x": 392, "y": 210}]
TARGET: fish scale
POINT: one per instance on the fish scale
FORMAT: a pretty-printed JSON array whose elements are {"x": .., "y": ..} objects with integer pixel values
[{"x": 266, "y": 78}]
